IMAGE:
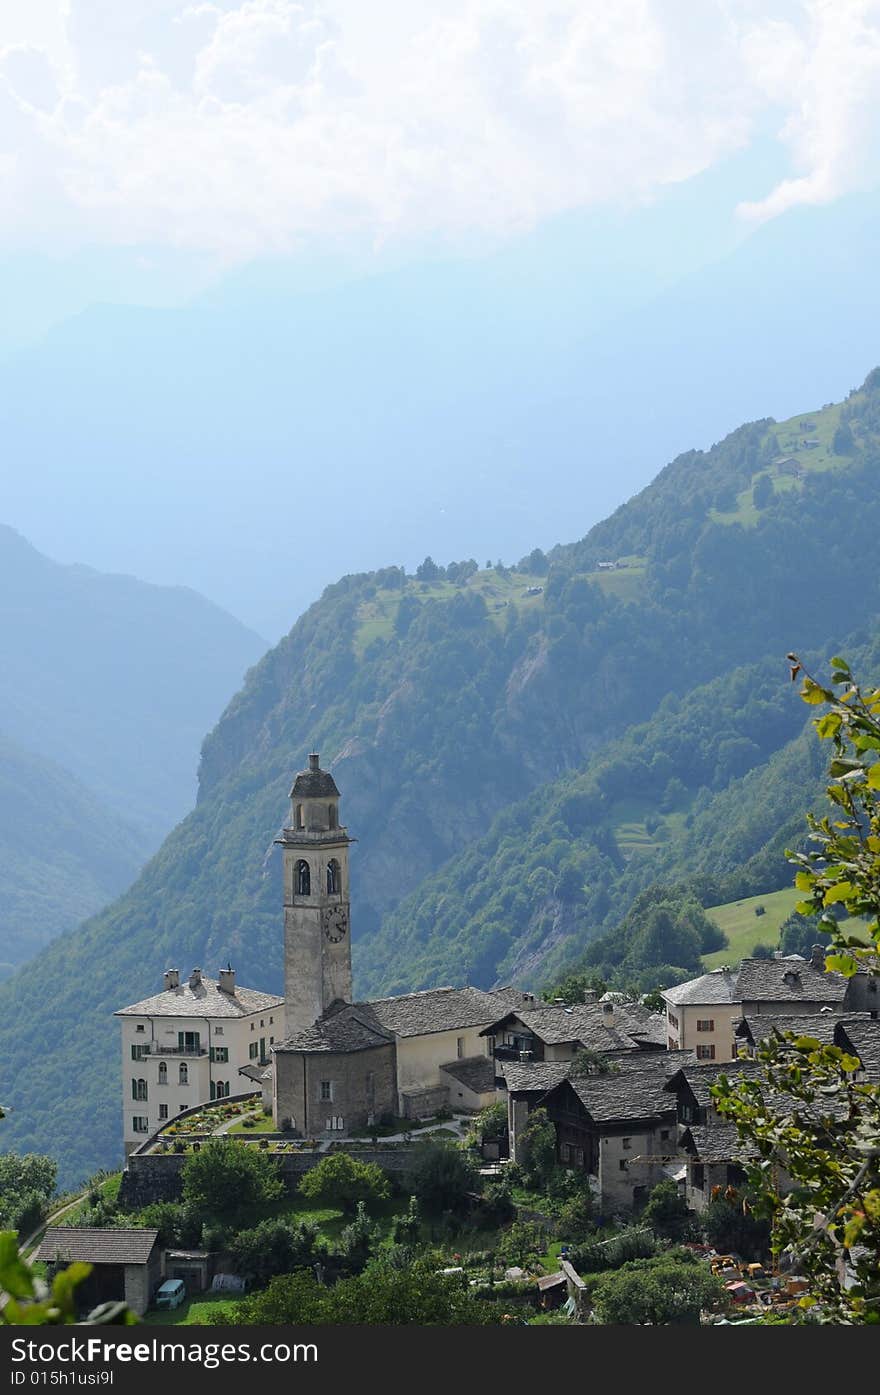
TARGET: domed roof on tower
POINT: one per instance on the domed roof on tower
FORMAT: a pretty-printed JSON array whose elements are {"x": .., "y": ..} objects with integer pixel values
[{"x": 314, "y": 783}]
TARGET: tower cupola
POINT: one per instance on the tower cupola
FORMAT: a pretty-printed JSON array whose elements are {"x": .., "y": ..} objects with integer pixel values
[{"x": 314, "y": 799}]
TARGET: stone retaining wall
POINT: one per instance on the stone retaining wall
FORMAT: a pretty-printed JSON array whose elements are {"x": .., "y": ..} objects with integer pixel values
[{"x": 150, "y": 1177}]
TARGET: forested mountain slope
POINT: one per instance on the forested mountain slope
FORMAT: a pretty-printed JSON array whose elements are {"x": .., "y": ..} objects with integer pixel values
[
  {"x": 446, "y": 701},
  {"x": 63, "y": 854}
]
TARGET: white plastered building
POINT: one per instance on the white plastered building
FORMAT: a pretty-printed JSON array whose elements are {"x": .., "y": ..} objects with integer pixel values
[{"x": 187, "y": 1045}]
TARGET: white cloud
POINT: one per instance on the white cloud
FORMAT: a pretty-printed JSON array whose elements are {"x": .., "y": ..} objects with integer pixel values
[
  {"x": 244, "y": 126},
  {"x": 825, "y": 76}
]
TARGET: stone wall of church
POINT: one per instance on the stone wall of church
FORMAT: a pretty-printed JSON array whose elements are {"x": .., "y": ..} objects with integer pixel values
[{"x": 326, "y": 1092}]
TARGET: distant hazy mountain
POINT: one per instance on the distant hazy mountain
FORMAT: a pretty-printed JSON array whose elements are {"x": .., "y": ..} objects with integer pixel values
[
  {"x": 63, "y": 854},
  {"x": 275, "y": 434},
  {"x": 114, "y": 680}
]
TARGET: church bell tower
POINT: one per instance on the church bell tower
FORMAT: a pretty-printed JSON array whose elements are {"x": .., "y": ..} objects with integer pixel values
[{"x": 317, "y": 923}]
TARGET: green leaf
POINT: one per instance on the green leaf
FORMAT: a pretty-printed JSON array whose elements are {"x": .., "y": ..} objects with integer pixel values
[
  {"x": 813, "y": 694},
  {"x": 853, "y": 1229},
  {"x": 829, "y": 725},
  {"x": 841, "y": 892},
  {"x": 874, "y": 777}
]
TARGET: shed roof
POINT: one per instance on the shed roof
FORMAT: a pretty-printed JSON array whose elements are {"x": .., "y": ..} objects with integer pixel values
[
  {"x": 477, "y": 1073},
  {"x": 98, "y": 1244}
]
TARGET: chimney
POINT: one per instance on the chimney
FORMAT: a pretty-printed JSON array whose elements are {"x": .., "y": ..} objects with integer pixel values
[
  {"x": 170, "y": 979},
  {"x": 559, "y": 1002},
  {"x": 226, "y": 982},
  {"x": 314, "y": 761},
  {"x": 608, "y": 1009},
  {"x": 817, "y": 957},
  {"x": 195, "y": 978},
  {"x": 590, "y": 995},
  {"x": 792, "y": 978}
]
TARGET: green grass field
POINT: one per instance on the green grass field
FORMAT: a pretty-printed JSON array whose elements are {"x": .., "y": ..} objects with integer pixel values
[
  {"x": 814, "y": 426},
  {"x": 193, "y": 1312},
  {"x": 744, "y": 929}
]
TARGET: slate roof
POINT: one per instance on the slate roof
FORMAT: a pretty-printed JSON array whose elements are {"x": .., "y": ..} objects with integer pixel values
[
  {"x": 347, "y": 1029},
  {"x": 252, "y": 1072},
  {"x": 629, "y": 1093},
  {"x": 97, "y": 1245},
  {"x": 716, "y": 1143},
  {"x": 522, "y": 1077},
  {"x": 477, "y": 1073},
  {"x": 205, "y": 1000},
  {"x": 720, "y": 986},
  {"x": 763, "y": 980},
  {"x": 314, "y": 784},
  {"x": 436, "y": 1010},
  {"x": 703, "y": 1074},
  {"x": 864, "y": 1036},
  {"x": 628, "y": 1025},
  {"x": 821, "y": 1025}
]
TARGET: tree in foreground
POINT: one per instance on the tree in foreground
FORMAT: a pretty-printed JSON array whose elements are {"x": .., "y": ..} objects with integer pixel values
[
  {"x": 382, "y": 1295},
  {"x": 343, "y": 1181},
  {"x": 826, "y": 1135},
  {"x": 225, "y": 1178},
  {"x": 672, "y": 1289}
]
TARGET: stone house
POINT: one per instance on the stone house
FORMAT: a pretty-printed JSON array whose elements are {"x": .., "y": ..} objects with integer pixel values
[
  {"x": 703, "y": 1013},
  {"x": 186, "y": 1046},
  {"x": 126, "y": 1263},
  {"x": 621, "y": 1127},
  {"x": 409, "y": 1056},
  {"x": 554, "y": 1032}
]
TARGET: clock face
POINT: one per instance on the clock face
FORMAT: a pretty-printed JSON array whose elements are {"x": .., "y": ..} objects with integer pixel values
[{"x": 335, "y": 923}]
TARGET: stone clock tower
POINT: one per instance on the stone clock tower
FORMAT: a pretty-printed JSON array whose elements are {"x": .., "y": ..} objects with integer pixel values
[{"x": 317, "y": 928}]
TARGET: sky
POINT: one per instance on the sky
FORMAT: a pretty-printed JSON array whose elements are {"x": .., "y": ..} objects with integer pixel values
[
  {"x": 243, "y": 128},
  {"x": 265, "y": 160}
]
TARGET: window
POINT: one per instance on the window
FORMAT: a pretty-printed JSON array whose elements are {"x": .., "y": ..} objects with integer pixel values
[
  {"x": 139, "y": 1089},
  {"x": 220, "y": 1053},
  {"x": 623, "y": 1164},
  {"x": 706, "y": 1025},
  {"x": 139, "y": 1051},
  {"x": 299, "y": 816},
  {"x": 271, "y": 1020},
  {"x": 671, "y": 1018},
  {"x": 189, "y": 1041},
  {"x": 252, "y": 1026},
  {"x": 183, "y": 1076},
  {"x": 334, "y": 880},
  {"x": 336, "y": 1123},
  {"x": 181, "y": 1108},
  {"x": 163, "y": 1111},
  {"x": 218, "y": 1031},
  {"x": 705, "y": 1053},
  {"x": 664, "y": 1133},
  {"x": 140, "y": 1124},
  {"x": 326, "y": 1089},
  {"x": 253, "y": 1050},
  {"x": 626, "y": 1144},
  {"x": 271, "y": 1039},
  {"x": 140, "y": 1027},
  {"x": 262, "y": 1023},
  {"x": 163, "y": 1073},
  {"x": 331, "y": 816},
  {"x": 459, "y": 1047},
  {"x": 222, "y": 1089},
  {"x": 302, "y": 879}
]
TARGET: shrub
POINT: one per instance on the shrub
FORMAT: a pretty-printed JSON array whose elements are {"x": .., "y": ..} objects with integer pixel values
[
  {"x": 225, "y": 1178},
  {"x": 344, "y": 1181}
]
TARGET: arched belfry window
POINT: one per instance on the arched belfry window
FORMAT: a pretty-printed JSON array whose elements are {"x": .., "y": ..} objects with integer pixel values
[
  {"x": 331, "y": 816},
  {"x": 300, "y": 822},
  {"x": 334, "y": 878},
  {"x": 302, "y": 878}
]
